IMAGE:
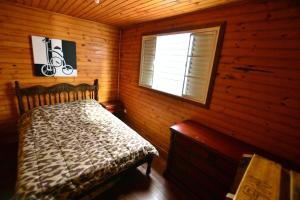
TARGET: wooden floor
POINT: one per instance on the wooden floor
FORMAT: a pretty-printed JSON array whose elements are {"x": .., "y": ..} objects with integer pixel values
[
  {"x": 8, "y": 169},
  {"x": 133, "y": 186},
  {"x": 137, "y": 186}
]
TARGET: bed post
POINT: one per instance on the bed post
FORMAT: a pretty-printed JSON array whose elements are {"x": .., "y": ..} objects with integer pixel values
[
  {"x": 149, "y": 161},
  {"x": 19, "y": 96},
  {"x": 96, "y": 84}
]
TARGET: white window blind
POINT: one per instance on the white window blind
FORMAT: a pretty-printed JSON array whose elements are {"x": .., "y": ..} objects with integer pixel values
[
  {"x": 199, "y": 64},
  {"x": 180, "y": 63},
  {"x": 147, "y": 61}
]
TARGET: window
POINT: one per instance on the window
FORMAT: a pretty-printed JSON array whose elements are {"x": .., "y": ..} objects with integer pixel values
[{"x": 180, "y": 63}]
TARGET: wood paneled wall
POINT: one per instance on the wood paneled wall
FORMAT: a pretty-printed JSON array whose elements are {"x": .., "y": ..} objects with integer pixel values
[
  {"x": 97, "y": 54},
  {"x": 256, "y": 97}
]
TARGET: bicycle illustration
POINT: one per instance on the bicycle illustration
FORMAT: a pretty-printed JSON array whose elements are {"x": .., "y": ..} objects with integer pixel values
[{"x": 57, "y": 60}]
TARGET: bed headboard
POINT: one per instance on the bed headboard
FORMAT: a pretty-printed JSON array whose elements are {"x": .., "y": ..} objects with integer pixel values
[{"x": 38, "y": 95}]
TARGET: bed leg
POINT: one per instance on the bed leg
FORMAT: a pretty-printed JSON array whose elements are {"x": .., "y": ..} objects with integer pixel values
[{"x": 148, "y": 171}]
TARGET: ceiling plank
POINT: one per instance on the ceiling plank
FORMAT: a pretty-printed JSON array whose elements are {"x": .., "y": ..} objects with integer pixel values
[
  {"x": 62, "y": 6},
  {"x": 123, "y": 12},
  {"x": 35, "y": 3},
  {"x": 43, "y": 4},
  {"x": 51, "y": 4},
  {"x": 178, "y": 9},
  {"x": 110, "y": 6}
]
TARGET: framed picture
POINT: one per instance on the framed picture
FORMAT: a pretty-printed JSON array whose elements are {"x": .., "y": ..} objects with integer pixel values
[{"x": 53, "y": 57}]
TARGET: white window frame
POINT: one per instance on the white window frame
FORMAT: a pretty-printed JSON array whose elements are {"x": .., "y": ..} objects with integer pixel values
[{"x": 215, "y": 60}]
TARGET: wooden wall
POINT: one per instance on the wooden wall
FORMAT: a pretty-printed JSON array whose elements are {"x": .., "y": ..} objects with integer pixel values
[
  {"x": 256, "y": 97},
  {"x": 97, "y": 54}
]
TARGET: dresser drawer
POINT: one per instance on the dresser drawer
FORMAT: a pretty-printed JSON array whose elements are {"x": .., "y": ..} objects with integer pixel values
[
  {"x": 198, "y": 182},
  {"x": 203, "y": 166},
  {"x": 226, "y": 165},
  {"x": 204, "y": 159},
  {"x": 187, "y": 146}
]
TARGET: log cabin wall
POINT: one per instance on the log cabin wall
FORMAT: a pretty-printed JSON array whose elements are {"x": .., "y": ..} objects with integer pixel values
[
  {"x": 256, "y": 96},
  {"x": 96, "y": 47}
]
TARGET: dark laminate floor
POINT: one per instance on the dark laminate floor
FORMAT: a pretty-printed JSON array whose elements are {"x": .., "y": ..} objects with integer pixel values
[
  {"x": 133, "y": 186},
  {"x": 8, "y": 169}
]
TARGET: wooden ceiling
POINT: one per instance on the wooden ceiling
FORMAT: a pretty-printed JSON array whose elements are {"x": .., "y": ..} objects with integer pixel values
[{"x": 122, "y": 12}]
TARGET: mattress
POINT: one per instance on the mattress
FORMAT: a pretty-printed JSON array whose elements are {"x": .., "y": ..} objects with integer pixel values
[{"x": 66, "y": 149}]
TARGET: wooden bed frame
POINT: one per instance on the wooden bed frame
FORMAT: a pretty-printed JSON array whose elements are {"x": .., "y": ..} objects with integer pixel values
[{"x": 38, "y": 95}]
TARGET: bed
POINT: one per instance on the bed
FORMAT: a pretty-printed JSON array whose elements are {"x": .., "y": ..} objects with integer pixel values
[{"x": 69, "y": 145}]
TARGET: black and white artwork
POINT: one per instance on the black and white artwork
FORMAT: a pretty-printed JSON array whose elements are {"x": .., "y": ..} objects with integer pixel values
[{"x": 54, "y": 57}]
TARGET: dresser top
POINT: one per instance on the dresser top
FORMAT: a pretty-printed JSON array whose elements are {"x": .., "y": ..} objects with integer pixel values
[{"x": 213, "y": 139}]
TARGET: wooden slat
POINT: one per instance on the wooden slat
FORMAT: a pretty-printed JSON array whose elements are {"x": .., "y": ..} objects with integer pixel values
[
  {"x": 43, "y": 4},
  {"x": 61, "y": 5},
  {"x": 122, "y": 12},
  {"x": 146, "y": 11},
  {"x": 41, "y": 16}
]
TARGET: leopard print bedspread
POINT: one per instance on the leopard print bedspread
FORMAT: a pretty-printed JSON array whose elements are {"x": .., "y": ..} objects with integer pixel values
[{"x": 66, "y": 149}]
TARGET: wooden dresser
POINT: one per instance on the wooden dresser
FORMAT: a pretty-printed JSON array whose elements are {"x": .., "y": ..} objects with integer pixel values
[
  {"x": 203, "y": 160},
  {"x": 115, "y": 107}
]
